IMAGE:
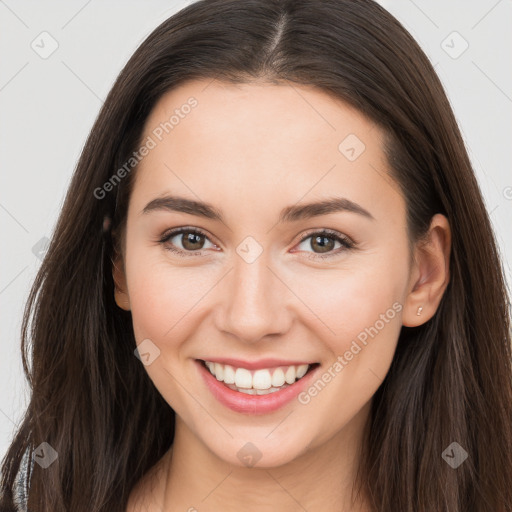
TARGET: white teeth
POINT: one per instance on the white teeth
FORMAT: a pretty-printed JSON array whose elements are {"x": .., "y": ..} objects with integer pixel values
[
  {"x": 248, "y": 391},
  {"x": 278, "y": 378},
  {"x": 301, "y": 370},
  {"x": 268, "y": 391},
  {"x": 219, "y": 371},
  {"x": 229, "y": 374},
  {"x": 243, "y": 378},
  {"x": 256, "y": 391},
  {"x": 261, "y": 379},
  {"x": 290, "y": 375},
  {"x": 261, "y": 382}
]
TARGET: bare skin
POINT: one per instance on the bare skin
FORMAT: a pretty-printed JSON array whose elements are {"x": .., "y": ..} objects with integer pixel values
[{"x": 251, "y": 151}]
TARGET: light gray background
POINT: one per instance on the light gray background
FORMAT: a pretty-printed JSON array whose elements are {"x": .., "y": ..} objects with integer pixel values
[{"x": 48, "y": 105}]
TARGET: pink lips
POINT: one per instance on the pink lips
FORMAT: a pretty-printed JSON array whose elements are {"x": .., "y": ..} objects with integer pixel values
[{"x": 254, "y": 404}]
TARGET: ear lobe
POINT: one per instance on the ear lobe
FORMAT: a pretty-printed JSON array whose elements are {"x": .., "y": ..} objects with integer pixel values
[
  {"x": 120, "y": 292},
  {"x": 431, "y": 274}
]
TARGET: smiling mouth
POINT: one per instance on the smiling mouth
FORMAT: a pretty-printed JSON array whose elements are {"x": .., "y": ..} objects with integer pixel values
[{"x": 258, "y": 382}]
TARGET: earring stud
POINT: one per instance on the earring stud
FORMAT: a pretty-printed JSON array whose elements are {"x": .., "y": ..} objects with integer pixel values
[{"x": 420, "y": 309}]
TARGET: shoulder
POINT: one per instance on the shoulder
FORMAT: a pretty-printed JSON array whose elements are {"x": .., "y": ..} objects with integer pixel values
[{"x": 22, "y": 482}]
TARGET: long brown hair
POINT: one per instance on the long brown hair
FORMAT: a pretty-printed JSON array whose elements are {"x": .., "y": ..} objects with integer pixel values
[{"x": 451, "y": 378}]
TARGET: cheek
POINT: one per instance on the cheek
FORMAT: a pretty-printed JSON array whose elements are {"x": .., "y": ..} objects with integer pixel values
[
  {"x": 361, "y": 324},
  {"x": 164, "y": 299},
  {"x": 359, "y": 313},
  {"x": 166, "y": 305},
  {"x": 346, "y": 302}
]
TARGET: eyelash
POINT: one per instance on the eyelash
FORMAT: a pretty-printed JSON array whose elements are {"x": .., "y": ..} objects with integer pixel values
[{"x": 338, "y": 237}]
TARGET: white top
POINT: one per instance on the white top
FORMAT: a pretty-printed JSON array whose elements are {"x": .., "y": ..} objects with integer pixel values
[{"x": 22, "y": 483}]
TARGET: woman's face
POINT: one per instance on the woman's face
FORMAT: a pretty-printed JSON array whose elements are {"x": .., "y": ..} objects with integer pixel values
[{"x": 259, "y": 286}]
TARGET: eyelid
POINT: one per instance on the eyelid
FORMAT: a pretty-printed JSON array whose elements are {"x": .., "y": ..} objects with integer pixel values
[
  {"x": 327, "y": 231},
  {"x": 346, "y": 241}
]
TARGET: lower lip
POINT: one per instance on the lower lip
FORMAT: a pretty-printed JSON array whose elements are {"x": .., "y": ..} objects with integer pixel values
[{"x": 253, "y": 404}]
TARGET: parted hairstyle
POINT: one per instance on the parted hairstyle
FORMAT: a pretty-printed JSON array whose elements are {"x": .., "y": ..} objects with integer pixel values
[{"x": 450, "y": 379}]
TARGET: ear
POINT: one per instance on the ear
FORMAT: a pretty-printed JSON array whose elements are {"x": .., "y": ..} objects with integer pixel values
[
  {"x": 430, "y": 273},
  {"x": 118, "y": 273}
]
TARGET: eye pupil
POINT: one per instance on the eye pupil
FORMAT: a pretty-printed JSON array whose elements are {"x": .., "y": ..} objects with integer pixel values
[{"x": 320, "y": 241}]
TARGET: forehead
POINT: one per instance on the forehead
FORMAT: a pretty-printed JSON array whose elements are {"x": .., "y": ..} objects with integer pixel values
[
  {"x": 264, "y": 141},
  {"x": 295, "y": 112}
]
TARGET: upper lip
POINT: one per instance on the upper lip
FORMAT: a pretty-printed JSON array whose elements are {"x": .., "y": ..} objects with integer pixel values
[{"x": 268, "y": 362}]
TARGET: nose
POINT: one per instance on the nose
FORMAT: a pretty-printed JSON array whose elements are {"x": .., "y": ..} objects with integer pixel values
[{"x": 253, "y": 301}]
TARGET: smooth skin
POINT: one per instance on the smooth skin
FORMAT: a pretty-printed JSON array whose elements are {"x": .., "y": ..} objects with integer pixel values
[{"x": 250, "y": 151}]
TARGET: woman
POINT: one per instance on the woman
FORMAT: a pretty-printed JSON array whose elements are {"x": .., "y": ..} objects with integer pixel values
[{"x": 273, "y": 284}]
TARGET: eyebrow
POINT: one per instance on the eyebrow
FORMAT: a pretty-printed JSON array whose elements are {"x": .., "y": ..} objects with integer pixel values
[{"x": 288, "y": 214}]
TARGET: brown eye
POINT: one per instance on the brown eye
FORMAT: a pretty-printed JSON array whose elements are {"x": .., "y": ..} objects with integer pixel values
[
  {"x": 185, "y": 241},
  {"x": 323, "y": 244},
  {"x": 192, "y": 241}
]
